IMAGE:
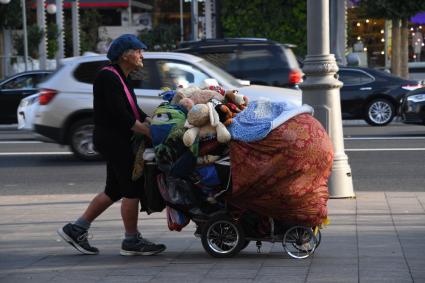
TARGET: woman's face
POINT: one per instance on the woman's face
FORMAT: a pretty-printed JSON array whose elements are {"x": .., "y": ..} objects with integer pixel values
[{"x": 134, "y": 58}]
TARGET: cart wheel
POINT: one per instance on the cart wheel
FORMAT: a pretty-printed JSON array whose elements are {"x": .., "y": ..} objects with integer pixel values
[
  {"x": 222, "y": 237},
  {"x": 316, "y": 233},
  {"x": 299, "y": 242}
]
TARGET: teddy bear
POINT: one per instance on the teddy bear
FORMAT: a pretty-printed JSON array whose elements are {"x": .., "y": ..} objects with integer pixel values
[
  {"x": 196, "y": 95},
  {"x": 203, "y": 121}
]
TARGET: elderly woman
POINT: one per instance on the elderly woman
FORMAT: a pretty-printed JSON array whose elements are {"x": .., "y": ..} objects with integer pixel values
[{"x": 116, "y": 117}]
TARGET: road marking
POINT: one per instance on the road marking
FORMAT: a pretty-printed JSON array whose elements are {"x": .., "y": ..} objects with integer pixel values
[
  {"x": 34, "y": 153},
  {"x": 385, "y": 138},
  {"x": 17, "y": 142},
  {"x": 386, "y": 149}
]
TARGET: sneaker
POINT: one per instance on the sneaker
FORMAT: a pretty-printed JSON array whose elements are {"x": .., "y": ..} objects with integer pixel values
[
  {"x": 140, "y": 246},
  {"x": 77, "y": 237}
]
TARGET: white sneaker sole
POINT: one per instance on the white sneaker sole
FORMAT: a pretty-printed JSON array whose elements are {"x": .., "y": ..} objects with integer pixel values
[
  {"x": 134, "y": 253},
  {"x": 79, "y": 248}
]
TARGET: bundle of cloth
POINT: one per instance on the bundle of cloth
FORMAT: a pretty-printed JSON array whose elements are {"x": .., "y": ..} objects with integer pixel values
[{"x": 281, "y": 160}]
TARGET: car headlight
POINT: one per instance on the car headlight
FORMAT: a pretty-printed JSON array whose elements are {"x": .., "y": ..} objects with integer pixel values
[{"x": 416, "y": 98}]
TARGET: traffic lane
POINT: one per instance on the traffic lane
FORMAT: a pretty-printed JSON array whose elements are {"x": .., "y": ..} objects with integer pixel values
[
  {"x": 393, "y": 129},
  {"x": 64, "y": 174},
  {"x": 50, "y": 174},
  {"x": 385, "y": 143},
  {"x": 388, "y": 170}
]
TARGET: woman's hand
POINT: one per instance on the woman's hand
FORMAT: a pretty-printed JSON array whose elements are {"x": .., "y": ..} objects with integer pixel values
[{"x": 142, "y": 128}]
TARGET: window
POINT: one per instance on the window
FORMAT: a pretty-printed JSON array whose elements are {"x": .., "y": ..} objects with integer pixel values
[
  {"x": 86, "y": 72},
  {"x": 175, "y": 73},
  {"x": 260, "y": 58},
  {"x": 20, "y": 82},
  {"x": 354, "y": 78}
]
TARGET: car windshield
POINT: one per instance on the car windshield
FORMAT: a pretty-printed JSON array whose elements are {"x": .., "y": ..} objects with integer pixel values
[{"x": 226, "y": 76}]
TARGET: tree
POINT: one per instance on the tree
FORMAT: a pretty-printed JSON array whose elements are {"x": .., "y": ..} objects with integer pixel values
[
  {"x": 280, "y": 20},
  {"x": 10, "y": 18},
  {"x": 399, "y": 13}
]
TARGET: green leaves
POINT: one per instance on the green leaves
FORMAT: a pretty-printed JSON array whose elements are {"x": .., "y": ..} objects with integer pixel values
[{"x": 279, "y": 20}]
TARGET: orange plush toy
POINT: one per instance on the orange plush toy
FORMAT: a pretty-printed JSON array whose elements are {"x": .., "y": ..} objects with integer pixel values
[{"x": 225, "y": 114}]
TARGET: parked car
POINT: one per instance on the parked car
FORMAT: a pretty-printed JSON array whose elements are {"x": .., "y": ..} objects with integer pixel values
[
  {"x": 26, "y": 112},
  {"x": 371, "y": 94},
  {"x": 16, "y": 87},
  {"x": 412, "y": 107},
  {"x": 261, "y": 61},
  {"x": 66, "y": 102}
]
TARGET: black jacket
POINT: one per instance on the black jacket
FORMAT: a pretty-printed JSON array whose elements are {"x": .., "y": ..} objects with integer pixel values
[{"x": 113, "y": 115}]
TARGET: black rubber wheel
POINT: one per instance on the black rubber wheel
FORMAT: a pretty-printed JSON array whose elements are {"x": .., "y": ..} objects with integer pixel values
[
  {"x": 379, "y": 112},
  {"x": 222, "y": 237},
  {"x": 80, "y": 140}
]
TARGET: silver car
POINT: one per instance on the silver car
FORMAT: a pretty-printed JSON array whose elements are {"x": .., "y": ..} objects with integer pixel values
[{"x": 66, "y": 103}]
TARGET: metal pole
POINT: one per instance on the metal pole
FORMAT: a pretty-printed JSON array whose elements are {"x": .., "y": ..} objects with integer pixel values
[
  {"x": 181, "y": 21},
  {"x": 24, "y": 24},
  {"x": 61, "y": 38},
  {"x": 321, "y": 90},
  {"x": 130, "y": 14},
  {"x": 76, "y": 28},
  {"x": 41, "y": 22},
  {"x": 194, "y": 19},
  {"x": 338, "y": 28}
]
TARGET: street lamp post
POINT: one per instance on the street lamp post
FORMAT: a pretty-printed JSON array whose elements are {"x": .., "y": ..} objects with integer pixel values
[{"x": 321, "y": 90}]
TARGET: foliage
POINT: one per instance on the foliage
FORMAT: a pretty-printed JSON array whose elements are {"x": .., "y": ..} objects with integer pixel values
[
  {"x": 284, "y": 21},
  {"x": 89, "y": 23},
  {"x": 35, "y": 34},
  {"x": 161, "y": 38},
  {"x": 391, "y": 9},
  {"x": 52, "y": 40},
  {"x": 11, "y": 15}
]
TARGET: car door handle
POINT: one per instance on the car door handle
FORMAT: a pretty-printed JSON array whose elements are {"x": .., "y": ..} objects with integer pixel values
[{"x": 365, "y": 88}]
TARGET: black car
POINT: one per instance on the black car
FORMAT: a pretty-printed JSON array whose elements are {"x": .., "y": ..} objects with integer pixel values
[
  {"x": 16, "y": 87},
  {"x": 261, "y": 61},
  {"x": 412, "y": 109},
  {"x": 371, "y": 94}
]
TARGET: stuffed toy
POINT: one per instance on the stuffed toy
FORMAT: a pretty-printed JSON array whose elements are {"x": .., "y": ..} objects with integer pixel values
[
  {"x": 235, "y": 101},
  {"x": 203, "y": 122},
  {"x": 197, "y": 95}
]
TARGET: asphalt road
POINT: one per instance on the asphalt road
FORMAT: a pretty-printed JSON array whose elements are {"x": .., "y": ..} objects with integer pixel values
[{"x": 390, "y": 158}]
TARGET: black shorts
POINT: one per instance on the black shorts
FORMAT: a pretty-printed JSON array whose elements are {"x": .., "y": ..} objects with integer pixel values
[{"x": 119, "y": 167}]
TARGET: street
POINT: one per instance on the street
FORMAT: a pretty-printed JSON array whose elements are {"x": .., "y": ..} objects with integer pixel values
[
  {"x": 382, "y": 159},
  {"x": 376, "y": 237}
]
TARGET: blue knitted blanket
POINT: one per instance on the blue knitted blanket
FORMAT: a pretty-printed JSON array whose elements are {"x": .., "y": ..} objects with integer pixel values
[{"x": 261, "y": 117}]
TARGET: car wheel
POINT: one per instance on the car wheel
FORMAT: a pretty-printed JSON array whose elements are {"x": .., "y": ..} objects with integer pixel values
[
  {"x": 81, "y": 140},
  {"x": 380, "y": 112}
]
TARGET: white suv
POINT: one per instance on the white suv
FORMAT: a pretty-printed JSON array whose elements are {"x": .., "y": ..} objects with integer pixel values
[{"x": 66, "y": 103}]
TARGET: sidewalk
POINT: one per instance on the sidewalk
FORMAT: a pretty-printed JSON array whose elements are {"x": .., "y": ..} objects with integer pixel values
[{"x": 378, "y": 237}]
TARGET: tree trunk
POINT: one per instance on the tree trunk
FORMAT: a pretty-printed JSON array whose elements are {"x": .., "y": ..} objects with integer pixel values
[
  {"x": 395, "y": 48},
  {"x": 404, "y": 50}
]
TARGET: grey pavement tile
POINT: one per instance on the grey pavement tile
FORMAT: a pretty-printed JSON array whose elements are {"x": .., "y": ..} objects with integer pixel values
[
  {"x": 232, "y": 273},
  {"x": 29, "y": 277},
  {"x": 184, "y": 279},
  {"x": 279, "y": 279},
  {"x": 225, "y": 280},
  {"x": 127, "y": 279},
  {"x": 283, "y": 271}
]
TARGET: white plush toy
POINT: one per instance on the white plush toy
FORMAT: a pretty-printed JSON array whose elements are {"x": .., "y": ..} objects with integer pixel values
[{"x": 203, "y": 121}]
